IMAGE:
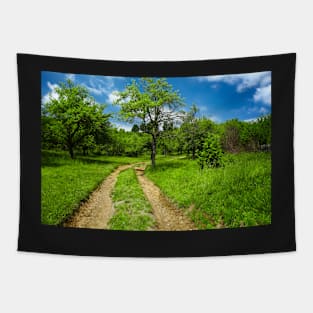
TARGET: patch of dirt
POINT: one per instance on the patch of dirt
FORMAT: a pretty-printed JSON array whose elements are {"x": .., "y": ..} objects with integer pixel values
[
  {"x": 168, "y": 217},
  {"x": 98, "y": 209}
]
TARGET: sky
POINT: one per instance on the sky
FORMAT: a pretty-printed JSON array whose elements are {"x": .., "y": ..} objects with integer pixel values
[{"x": 220, "y": 97}]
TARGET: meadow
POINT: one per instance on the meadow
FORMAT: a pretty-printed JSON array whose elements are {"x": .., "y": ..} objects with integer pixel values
[
  {"x": 66, "y": 182},
  {"x": 236, "y": 195},
  {"x": 132, "y": 210}
]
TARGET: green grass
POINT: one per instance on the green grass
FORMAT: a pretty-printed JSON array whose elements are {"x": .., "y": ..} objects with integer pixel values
[
  {"x": 132, "y": 210},
  {"x": 65, "y": 182},
  {"x": 238, "y": 194}
]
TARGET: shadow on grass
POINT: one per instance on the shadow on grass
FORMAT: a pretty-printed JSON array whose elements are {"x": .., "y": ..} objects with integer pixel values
[
  {"x": 163, "y": 166},
  {"x": 56, "y": 159}
]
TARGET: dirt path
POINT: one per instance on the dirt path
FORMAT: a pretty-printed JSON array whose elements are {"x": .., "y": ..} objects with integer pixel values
[
  {"x": 98, "y": 209},
  {"x": 168, "y": 217}
]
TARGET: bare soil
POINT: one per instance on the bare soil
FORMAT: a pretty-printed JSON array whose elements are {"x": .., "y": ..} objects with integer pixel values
[
  {"x": 168, "y": 217},
  {"x": 98, "y": 209}
]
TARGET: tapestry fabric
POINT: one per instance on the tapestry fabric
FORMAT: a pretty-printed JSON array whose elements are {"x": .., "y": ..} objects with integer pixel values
[{"x": 158, "y": 158}]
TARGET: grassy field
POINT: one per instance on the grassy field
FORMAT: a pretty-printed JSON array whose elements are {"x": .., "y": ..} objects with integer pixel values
[
  {"x": 238, "y": 194},
  {"x": 132, "y": 210},
  {"x": 65, "y": 182}
]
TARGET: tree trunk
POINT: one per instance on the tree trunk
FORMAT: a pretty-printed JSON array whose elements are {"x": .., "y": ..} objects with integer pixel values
[
  {"x": 71, "y": 151},
  {"x": 193, "y": 153},
  {"x": 153, "y": 151}
]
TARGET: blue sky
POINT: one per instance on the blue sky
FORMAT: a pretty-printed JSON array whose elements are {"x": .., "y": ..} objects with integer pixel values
[{"x": 222, "y": 97}]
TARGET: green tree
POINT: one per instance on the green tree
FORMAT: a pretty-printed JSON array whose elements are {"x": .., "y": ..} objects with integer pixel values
[
  {"x": 135, "y": 128},
  {"x": 151, "y": 102},
  {"x": 191, "y": 131},
  {"x": 195, "y": 130},
  {"x": 74, "y": 115},
  {"x": 231, "y": 135},
  {"x": 211, "y": 153}
]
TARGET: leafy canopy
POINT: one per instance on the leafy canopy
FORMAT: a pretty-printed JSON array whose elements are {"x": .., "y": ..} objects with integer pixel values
[
  {"x": 151, "y": 101},
  {"x": 74, "y": 116}
]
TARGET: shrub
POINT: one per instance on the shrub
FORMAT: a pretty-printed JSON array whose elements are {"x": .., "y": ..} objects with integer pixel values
[{"x": 211, "y": 153}]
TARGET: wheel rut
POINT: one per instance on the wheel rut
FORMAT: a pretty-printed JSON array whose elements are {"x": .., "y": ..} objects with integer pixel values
[
  {"x": 167, "y": 216},
  {"x": 98, "y": 209}
]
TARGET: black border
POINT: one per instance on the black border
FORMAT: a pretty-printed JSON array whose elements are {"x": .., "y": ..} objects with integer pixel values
[{"x": 277, "y": 237}]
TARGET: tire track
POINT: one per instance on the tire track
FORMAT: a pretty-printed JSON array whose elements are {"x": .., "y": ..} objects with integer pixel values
[
  {"x": 98, "y": 209},
  {"x": 168, "y": 217}
]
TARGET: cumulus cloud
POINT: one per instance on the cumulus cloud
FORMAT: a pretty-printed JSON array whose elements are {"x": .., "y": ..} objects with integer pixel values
[
  {"x": 99, "y": 85},
  {"x": 242, "y": 81},
  {"x": 112, "y": 96},
  {"x": 126, "y": 127},
  {"x": 51, "y": 94},
  {"x": 263, "y": 94},
  {"x": 251, "y": 120},
  {"x": 259, "y": 81},
  {"x": 70, "y": 77}
]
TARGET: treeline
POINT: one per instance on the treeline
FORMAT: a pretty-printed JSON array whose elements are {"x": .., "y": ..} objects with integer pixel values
[
  {"x": 75, "y": 122},
  {"x": 188, "y": 138}
]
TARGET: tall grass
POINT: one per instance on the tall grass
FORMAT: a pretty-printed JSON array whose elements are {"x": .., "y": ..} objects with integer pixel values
[
  {"x": 132, "y": 210},
  {"x": 66, "y": 182},
  {"x": 238, "y": 194}
]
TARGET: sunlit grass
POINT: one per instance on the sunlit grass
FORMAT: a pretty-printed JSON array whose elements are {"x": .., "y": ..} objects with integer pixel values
[
  {"x": 65, "y": 182},
  {"x": 238, "y": 194},
  {"x": 132, "y": 210}
]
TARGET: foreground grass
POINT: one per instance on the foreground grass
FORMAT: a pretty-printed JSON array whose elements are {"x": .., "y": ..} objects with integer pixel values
[
  {"x": 132, "y": 210},
  {"x": 238, "y": 194},
  {"x": 65, "y": 182}
]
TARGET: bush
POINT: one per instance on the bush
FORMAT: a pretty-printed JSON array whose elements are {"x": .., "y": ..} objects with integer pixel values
[{"x": 211, "y": 153}]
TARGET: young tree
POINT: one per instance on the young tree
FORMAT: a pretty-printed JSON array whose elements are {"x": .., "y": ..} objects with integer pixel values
[
  {"x": 151, "y": 102},
  {"x": 191, "y": 131},
  {"x": 231, "y": 135},
  {"x": 135, "y": 128},
  {"x": 195, "y": 130},
  {"x": 75, "y": 115},
  {"x": 211, "y": 153}
]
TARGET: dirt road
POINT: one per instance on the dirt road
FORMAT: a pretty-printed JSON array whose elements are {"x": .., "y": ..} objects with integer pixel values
[
  {"x": 168, "y": 217},
  {"x": 98, "y": 209}
]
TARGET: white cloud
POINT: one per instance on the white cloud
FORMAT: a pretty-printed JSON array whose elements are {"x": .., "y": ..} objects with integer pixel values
[
  {"x": 263, "y": 110},
  {"x": 112, "y": 96},
  {"x": 214, "y": 118},
  {"x": 100, "y": 85},
  {"x": 259, "y": 81},
  {"x": 70, "y": 76},
  {"x": 51, "y": 94},
  {"x": 124, "y": 126},
  {"x": 263, "y": 94},
  {"x": 251, "y": 120},
  {"x": 242, "y": 81}
]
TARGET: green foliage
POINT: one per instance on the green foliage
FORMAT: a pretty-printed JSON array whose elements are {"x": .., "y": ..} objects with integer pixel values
[
  {"x": 237, "y": 194},
  {"x": 152, "y": 102},
  {"x": 246, "y": 136},
  {"x": 66, "y": 182},
  {"x": 231, "y": 135},
  {"x": 121, "y": 142},
  {"x": 132, "y": 210},
  {"x": 135, "y": 128},
  {"x": 71, "y": 117},
  {"x": 211, "y": 153}
]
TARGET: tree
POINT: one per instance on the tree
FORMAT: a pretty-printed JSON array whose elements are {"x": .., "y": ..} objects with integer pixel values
[
  {"x": 190, "y": 129},
  {"x": 151, "y": 102},
  {"x": 74, "y": 116},
  {"x": 211, "y": 153},
  {"x": 135, "y": 128},
  {"x": 231, "y": 135}
]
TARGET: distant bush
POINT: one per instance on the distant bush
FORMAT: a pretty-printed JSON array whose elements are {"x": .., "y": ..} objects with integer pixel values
[{"x": 211, "y": 153}]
